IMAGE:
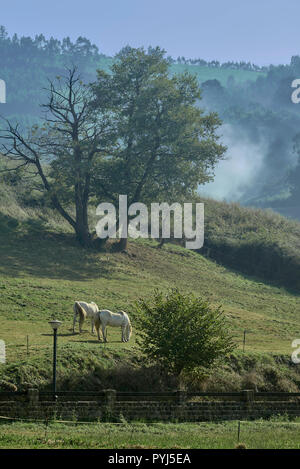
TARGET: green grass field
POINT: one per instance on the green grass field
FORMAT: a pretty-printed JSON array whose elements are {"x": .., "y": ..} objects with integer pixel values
[
  {"x": 202, "y": 73},
  {"x": 42, "y": 275},
  {"x": 273, "y": 434},
  {"x": 43, "y": 271},
  {"x": 220, "y": 74}
]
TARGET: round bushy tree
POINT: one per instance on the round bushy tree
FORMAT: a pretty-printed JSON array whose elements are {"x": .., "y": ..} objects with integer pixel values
[{"x": 181, "y": 331}]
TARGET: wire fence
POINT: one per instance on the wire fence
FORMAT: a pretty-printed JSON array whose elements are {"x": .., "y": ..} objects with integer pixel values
[
  {"x": 16, "y": 351},
  {"x": 179, "y": 395}
]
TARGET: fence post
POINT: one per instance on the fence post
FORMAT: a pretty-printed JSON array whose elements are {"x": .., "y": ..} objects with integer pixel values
[
  {"x": 33, "y": 396},
  {"x": 248, "y": 395},
  {"x": 181, "y": 397},
  {"x": 110, "y": 398},
  {"x": 248, "y": 398}
]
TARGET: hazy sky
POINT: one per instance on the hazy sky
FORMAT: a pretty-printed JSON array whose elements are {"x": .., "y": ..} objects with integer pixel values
[{"x": 260, "y": 31}]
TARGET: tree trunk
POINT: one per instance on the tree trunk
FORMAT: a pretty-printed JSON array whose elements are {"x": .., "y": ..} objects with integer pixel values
[
  {"x": 82, "y": 228},
  {"x": 122, "y": 244},
  {"x": 83, "y": 235},
  {"x": 162, "y": 242}
]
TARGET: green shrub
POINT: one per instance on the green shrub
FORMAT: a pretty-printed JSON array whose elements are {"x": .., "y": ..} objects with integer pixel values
[{"x": 181, "y": 331}]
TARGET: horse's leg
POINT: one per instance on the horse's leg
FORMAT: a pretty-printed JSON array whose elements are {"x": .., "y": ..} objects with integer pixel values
[
  {"x": 80, "y": 325},
  {"x": 97, "y": 326},
  {"x": 123, "y": 333},
  {"x": 104, "y": 334},
  {"x": 74, "y": 322},
  {"x": 93, "y": 325}
]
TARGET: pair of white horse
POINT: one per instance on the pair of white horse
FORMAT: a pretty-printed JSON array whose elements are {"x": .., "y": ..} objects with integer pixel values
[{"x": 101, "y": 318}]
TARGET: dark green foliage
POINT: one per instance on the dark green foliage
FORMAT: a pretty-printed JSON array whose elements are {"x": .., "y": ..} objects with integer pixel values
[
  {"x": 167, "y": 146},
  {"x": 181, "y": 331},
  {"x": 8, "y": 224}
]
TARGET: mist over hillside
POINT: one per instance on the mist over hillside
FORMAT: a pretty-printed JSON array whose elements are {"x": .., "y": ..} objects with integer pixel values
[
  {"x": 249, "y": 164},
  {"x": 237, "y": 173},
  {"x": 261, "y": 129}
]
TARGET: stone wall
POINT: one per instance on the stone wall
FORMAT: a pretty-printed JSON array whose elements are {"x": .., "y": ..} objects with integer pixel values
[{"x": 111, "y": 409}]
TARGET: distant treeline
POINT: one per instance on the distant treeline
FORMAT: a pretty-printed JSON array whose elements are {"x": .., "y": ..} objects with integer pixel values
[
  {"x": 17, "y": 47},
  {"x": 26, "y": 65},
  {"x": 216, "y": 64}
]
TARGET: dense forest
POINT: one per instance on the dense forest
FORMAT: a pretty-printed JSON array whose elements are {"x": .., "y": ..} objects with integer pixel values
[
  {"x": 27, "y": 64},
  {"x": 261, "y": 125}
]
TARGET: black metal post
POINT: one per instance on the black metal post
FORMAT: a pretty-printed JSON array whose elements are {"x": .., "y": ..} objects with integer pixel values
[
  {"x": 244, "y": 342},
  {"x": 54, "y": 362}
]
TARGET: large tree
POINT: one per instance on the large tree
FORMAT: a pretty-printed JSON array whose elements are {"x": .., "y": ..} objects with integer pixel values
[
  {"x": 136, "y": 131},
  {"x": 63, "y": 151},
  {"x": 167, "y": 146}
]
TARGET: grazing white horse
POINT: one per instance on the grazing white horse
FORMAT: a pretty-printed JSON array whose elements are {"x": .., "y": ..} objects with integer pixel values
[
  {"x": 107, "y": 318},
  {"x": 85, "y": 310}
]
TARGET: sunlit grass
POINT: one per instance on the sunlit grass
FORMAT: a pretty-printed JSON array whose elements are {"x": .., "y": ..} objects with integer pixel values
[{"x": 278, "y": 434}]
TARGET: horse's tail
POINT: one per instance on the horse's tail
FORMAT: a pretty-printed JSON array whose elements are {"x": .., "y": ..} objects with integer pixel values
[
  {"x": 129, "y": 329},
  {"x": 78, "y": 309},
  {"x": 97, "y": 319},
  {"x": 97, "y": 322}
]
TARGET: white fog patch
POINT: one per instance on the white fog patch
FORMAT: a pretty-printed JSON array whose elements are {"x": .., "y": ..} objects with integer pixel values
[{"x": 244, "y": 161}]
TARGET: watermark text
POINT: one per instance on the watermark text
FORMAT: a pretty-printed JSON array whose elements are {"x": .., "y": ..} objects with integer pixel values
[
  {"x": 2, "y": 92},
  {"x": 2, "y": 352},
  {"x": 135, "y": 221}
]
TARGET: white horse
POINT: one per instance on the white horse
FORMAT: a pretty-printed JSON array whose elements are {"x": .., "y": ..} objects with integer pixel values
[
  {"x": 107, "y": 318},
  {"x": 84, "y": 310}
]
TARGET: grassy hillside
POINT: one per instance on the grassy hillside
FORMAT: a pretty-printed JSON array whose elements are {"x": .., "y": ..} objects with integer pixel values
[
  {"x": 203, "y": 73},
  {"x": 220, "y": 74},
  {"x": 43, "y": 270},
  {"x": 256, "y": 242}
]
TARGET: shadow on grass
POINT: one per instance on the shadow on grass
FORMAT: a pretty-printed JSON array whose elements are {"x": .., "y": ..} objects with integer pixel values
[
  {"x": 99, "y": 342},
  {"x": 59, "y": 335},
  {"x": 46, "y": 254},
  {"x": 91, "y": 341}
]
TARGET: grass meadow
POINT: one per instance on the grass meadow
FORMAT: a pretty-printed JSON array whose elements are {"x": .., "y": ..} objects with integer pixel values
[
  {"x": 273, "y": 434},
  {"x": 43, "y": 271}
]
